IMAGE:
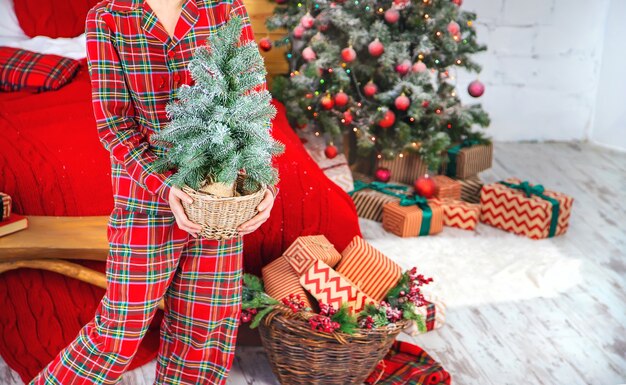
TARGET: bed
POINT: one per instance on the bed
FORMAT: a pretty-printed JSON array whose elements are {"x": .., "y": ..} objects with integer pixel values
[{"x": 52, "y": 164}]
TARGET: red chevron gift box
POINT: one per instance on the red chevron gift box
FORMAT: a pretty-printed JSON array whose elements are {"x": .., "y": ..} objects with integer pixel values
[
  {"x": 525, "y": 209},
  {"x": 459, "y": 214},
  {"x": 372, "y": 271},
  {"x": 446, "y": 188},
  {"x": 410, "y": 218},
  {"x": 305, "y": 250},
  {"x": 369, "y": 198},
  {"x": 433, "y": 315},
  {"x": 330, "y": 287},
  {"x": 6, "y": 206},
  {"x": 468, "y": 159},
  {"x": 280, "y": 280}
]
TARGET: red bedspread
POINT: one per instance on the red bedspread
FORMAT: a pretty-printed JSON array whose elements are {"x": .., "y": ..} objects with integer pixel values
[{"x": 52, "y": 163}]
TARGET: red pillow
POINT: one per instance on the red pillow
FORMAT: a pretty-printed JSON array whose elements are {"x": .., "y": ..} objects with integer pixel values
[
  {"x": 53, "y": 18},
  {"x": 22, "y": 69}
]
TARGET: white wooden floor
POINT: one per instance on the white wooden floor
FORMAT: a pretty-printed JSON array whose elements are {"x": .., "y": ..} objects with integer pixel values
[{"x": 520, "y": 311}]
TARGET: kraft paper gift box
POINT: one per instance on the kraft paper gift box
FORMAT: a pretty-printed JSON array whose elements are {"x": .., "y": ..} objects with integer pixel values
[
  {"x": 404, "y": 169},
  {"x": 6, "y": 206},
  {"x": 305, "y": 250},
  {"x": 280, "y": 280},
  {"x": 468, "y": 159},
  {"x": 369, "y": 269},
  {"x": 446, "y": 188},
  {"x": 433, "y": 314},
  {"x": 282, "y": 276},
  {"x": 525, "y": 209},
  {"x": 330, "y": 287},
  {"x": 339, "y": 173},
  {"x": 369, "y": 198},
  {"x": 459, "y": 214},
  {"x": 408, "y": 219},
  {"x": 470, "y": 189}
]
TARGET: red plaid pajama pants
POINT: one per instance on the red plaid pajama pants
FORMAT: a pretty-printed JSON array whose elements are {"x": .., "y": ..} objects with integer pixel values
[{"x": 150, "y": 259}]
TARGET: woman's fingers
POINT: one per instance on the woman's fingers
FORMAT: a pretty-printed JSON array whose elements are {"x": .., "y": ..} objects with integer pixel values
[{"x": 176, "y": 195}]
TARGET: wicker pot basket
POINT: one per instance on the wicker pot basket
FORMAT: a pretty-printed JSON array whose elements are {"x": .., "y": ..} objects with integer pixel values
[
  {"x": 301, "y": 356},
  {"x": 220, "y": 217}
]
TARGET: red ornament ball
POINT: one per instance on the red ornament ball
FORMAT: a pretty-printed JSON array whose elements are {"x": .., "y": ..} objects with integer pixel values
[
  {"x": 327, "y": 102},
  {"x": 281, "y": 1},
  {"x": 392, "y": 16},
  {"x": 382, "y": 174},
  {"x": 307, "y": 21},
  {"x": 388, "y": 120},
  {"x": 330, "y": 151},
  {"x": 347, "y": 118},
  {"x": 457, "y": 2},
  {"x": 370, "y": 89},
  {"x": 419, "y": 66},
  {"x": 476, "y": 88},
  {"x": 425, "y": 186},
  {"x": 376, "y": 48},
  {"x": 425, "y": 103},
  {"x": 348, "y": 54},
  {"x": 265, "y": 44},
  {"x": 402, "y": 102},
  {"x": 298, "y": 31},
  {"x": 308, "y": 54},
  {"x": 400, "y": 4},
  {"x": 341, "y": 99},
  {"x": 454, "y": 28},
  {"x": 404, "y": 67}
]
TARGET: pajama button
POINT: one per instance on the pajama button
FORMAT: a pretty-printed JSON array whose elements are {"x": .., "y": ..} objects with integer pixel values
[
  {"x": 162, "y": 83},
  {"x": 171, "y": 54}
]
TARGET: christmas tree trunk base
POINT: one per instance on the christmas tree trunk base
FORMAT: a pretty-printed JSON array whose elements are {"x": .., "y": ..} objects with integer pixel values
[
  {"x": 220, "y": 216},
  {"x": 218, "y": 189}
]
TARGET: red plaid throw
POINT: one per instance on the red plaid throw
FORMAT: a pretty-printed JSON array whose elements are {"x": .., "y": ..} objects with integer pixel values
[
  {"x": 408, "y": 364},
  {"x": 22, "y": 69}
]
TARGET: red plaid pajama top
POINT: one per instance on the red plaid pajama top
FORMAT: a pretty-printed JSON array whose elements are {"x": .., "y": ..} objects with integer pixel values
[{"x": 136, "y": 69}]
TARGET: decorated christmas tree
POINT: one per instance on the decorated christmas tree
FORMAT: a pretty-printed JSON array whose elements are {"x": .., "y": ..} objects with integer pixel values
[
  {"x": 220, "y": 125},
  {"x": 383, "y": 72}
]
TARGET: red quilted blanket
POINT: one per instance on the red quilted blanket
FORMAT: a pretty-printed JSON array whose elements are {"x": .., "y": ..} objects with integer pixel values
[{"x": 52, "y": 163}]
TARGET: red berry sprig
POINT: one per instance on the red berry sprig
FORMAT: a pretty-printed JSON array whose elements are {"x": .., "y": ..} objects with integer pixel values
[
  {"x": 367, "y": 322},
  {"x": 393, "y": 313},
  {"x": 294, "y": 302},
  {"x": 247, "y": 315},
  {"x": 323, "y": 323}
]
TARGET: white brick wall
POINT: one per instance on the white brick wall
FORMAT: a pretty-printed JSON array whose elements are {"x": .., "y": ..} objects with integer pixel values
[{"x": 542, "y": 67}]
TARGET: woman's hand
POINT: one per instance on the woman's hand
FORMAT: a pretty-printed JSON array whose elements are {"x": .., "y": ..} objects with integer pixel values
[
  {"x": 175, "y": 197},
  {"x": 264, "y": 209}
]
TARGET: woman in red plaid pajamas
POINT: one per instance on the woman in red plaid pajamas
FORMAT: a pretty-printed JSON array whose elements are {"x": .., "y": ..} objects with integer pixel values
[{"x": 137, "y": 52}]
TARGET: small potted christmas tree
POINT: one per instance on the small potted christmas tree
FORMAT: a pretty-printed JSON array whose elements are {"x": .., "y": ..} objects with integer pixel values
[{"x": 218, "y": 136}]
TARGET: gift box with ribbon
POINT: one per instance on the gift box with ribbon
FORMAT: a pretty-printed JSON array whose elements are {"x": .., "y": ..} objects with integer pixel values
[
  {"x": 369, "y": 198},
  {"x": 468, "y": 159},
  {"x": 433, "y": 314},
  {"x": 282, "y": 276},
  {"x": 459, "y": 214},
  {"x": 6, "y": 206},
  {"x": 330, "y": 287},
  {"x": 446, "y": 188},
  {"x": 369, "y": 269},
  {"x": 470, "y": 189},
  {"x": 525, "y": 209},
  {"x": 412, "y": 216}
]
